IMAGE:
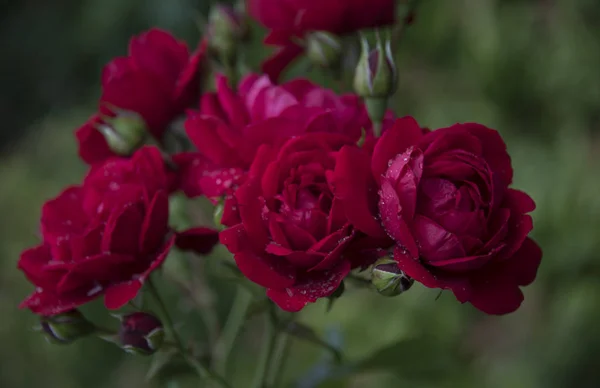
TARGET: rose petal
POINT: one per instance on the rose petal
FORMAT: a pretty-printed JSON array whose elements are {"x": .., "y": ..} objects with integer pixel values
[
  {"x": 404, "y": 134},
  {"x": 391, "y": 218},
  {"x": 414, "y": 268},
  {"x": 123, "y": 230},
  {"x": 309, "y": 288},
  {"x": 355, "y": 188},
  {"x": 155, "y": 224},
  {"x": 436, "y": 243},
  {"x": 199, "y": 239},
  {"x": 32, "y": 263},
  {"x": 47, "y": 303},
  {"x": 265, "y": 270}
]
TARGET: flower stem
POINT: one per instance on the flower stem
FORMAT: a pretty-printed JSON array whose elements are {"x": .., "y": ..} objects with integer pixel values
[
  {"x": 280, "y": 357},
  {"x": 165, "y": 316},
  {"x": 232, "y": 327},
  {"x": 269, "y": 336},
  {"x": 400, "y": 28},
  {"x": 200, "y": 368}
]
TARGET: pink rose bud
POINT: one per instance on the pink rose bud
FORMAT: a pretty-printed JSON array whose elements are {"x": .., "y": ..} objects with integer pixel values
[
  {"x": 141, "y": 333},
  {"x": 66, "y": 328},
  {"x": 388, "y": 279},
  {"x": 124, "y": 133},
  {"x": 324, "y": 49}
]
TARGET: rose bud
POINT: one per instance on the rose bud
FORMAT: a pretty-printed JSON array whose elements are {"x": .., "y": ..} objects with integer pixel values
[
  {"x": 124, "y": 133},
  {"x": 227, "y": 28},
  {"x": 375, "y": 78},
  {"x": 324, "y": 49},
  {"x": 388, "y": 279},
  {"x": 66, "y": 328},
  {"x": 141, "y": 333}
]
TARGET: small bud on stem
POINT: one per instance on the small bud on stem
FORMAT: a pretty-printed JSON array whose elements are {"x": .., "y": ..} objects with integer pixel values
[
  {"x": 67, "y": 327},
  {"x": 141, "y": 333},
  {"x": 124, "y": 133},
  {"x": 388, "y": 279},
  {"x": 375, "y": 79},
  {"x": 324, "y": 49}
]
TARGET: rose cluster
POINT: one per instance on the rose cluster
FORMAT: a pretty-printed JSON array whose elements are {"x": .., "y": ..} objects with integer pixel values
[{"x": 310, "y": 185}]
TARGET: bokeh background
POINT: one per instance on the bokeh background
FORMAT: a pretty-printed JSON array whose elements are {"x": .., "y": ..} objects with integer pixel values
[{"x": 530, "y": 68}]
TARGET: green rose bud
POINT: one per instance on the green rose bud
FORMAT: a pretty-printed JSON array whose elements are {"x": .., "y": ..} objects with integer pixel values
[
  {"x": 124, "y": 133},
  {"x": 324, "y": 49},
  {"x": 388, "y": 279},
  {"x": 375, "y": 79},
  {"x": 227, "y": 29},
  {"x": 66, "y": 328}
]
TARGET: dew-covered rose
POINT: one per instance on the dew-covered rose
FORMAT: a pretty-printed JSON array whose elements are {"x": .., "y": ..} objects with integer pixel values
[
  {"x": 230, "y": 126},
  {"x": 291, "y": 233},
  {"x": 444, "y": 198},
  {"x": 104, "y": 237}
]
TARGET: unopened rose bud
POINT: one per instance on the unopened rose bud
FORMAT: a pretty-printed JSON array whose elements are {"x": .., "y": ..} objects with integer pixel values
[
  {"x": 324, "y": 49},
  {"x": 375, "y": 74},
  {"x": 141, "y": 333},
  {"x": 375, "y": 78},
  {"x": 388, "y": 279},
  {"x": 66, "y": 328},
  {"x": 124, "y": 133},
  {"x": 227, "y": 28}
]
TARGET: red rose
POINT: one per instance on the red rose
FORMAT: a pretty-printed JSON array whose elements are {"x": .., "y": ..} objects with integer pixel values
[
  {"x": 290, "y": 20},
  {"x": 229, "y": 127},
  {"x": 158, "y": 80},
  {"x": 292, "y": 232},
  {"x": 444, "y": 199},
  {"x": 103, "y": 237}
]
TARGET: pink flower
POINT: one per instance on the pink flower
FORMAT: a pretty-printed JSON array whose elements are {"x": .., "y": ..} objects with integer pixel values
[{"x": 230, "y": 126}]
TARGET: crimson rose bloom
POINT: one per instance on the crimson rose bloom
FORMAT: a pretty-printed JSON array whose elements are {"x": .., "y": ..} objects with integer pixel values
[
  {"x": 103, "y": 237},
  {"x": 229, "y": 127},
  {"x": 292, "y": 232},
  {"x": 157, "y": 80},
  {"x": 292, "y": 19},
  {"x": 444, "y": 199}
]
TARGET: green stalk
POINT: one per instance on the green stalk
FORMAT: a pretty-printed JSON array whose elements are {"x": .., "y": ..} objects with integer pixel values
[
  {"x": 233, "y": 325},
  {"x": 269, "y": 336},
  {"x": 165, "y": 316},
  {"x": 201, "y": 369},
  {"x": 280, "y": 357}
]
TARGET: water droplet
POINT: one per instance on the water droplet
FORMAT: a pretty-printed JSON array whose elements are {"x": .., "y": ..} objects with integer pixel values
[{"x": 96, "y": 290}]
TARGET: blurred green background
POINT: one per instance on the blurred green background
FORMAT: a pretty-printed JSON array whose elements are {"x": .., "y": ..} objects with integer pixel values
[{"x": 529, "y": 68}]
